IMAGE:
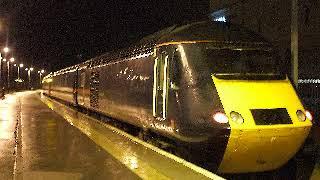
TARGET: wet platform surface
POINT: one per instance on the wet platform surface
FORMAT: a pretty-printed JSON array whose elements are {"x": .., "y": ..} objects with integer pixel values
[{"x": 38, "y": 143}]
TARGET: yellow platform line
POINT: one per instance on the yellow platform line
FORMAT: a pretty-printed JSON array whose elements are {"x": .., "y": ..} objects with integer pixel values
[{"x": 146, "y": 172}]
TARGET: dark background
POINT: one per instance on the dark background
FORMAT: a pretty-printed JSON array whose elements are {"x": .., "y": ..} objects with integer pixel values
[{"x": 53, "y": 34}]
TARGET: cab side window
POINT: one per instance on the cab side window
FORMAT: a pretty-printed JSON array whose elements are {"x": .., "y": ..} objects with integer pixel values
[{"x": 175, "y": 72}]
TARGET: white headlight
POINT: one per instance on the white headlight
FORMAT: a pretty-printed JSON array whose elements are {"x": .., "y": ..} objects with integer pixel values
[
  {"x": 220, "y": 117},
  {"x": 301, "y": 115},
  {"x": 309, "y": 115},
  {"x": 236, "y": 117}
]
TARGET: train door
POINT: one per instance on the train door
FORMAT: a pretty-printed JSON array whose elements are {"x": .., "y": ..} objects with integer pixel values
[
  {"x": 160, "y": 85},
  {"x": 49, "y": 87},
  {"x": 75, "y": 87},
  {"x": 81, "y": 87},
  {"x": 94, "y": 89}
]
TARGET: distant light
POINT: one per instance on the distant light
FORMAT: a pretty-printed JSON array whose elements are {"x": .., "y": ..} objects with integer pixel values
[
  {"x": 6, "y": 49},
  {"x": 42, "y": 71},
  {"x": 221, "y": 19},
  {"x": 309, "y": 81},
  {"x": 31, "y": 69},
  {"x": 12, "y": 59},
  {"x": 21, "y": 65},
  {"x": 19, "y": 80},
  {"x": 4, "y": 60},
  {"x": 15, "y": 65},
  {"x": 26, "y": 69}
]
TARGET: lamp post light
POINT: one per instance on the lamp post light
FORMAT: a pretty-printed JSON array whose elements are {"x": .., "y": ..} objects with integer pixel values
[{"x": 6, "y": 49}]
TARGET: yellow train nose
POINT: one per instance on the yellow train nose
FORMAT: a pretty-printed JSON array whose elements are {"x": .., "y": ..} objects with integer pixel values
[
  {"x": 265, "y": 128},
  {"x": 252, "y": 150}
]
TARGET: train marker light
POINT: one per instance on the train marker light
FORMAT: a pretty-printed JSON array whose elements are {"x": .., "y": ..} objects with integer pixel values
[
  {"x": 309, "y": 115},
  {"x": 220, "y": 117},
  {"x": 236, "y": 117},
  {"x": 301, "y": 115}
]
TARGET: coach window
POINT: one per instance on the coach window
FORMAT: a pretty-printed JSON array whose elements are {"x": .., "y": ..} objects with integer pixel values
[{"x": 82, "y": 79}]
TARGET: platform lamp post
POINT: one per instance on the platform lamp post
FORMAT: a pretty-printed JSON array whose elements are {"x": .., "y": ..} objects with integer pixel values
[
  {"x": 8, "y": 66},
  {"x": 18, "y": 71},
  {"x": 5, "y": 50},
  {"x": 4, "y": 60},
  {"x": 29, "y": 76},
  {"x": 40, "y": 75},
  {"x": 20, "y": 66}
]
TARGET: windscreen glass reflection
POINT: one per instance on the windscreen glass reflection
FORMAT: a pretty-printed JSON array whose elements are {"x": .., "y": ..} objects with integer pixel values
[{"x": 240, "y": 62}]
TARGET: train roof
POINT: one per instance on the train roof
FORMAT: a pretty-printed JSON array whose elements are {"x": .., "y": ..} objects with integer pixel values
[
  {"x": 211, "y": 31},
  {"x": 205, "y": 30}
]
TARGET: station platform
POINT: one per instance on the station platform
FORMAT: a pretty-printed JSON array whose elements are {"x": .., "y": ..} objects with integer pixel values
[{"x": 44, "y": 139}]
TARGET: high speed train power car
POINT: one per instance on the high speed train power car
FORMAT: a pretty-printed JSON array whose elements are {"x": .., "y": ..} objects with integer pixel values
[{"x": 214, "y": 90}]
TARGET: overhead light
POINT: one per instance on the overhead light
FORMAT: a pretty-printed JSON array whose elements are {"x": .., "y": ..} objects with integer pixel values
[
  {"x": 221, "y": 19},
  {"x": 6, "y": 49}
]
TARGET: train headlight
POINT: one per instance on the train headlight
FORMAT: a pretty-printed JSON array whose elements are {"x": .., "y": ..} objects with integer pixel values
[
  {"x": 236, "y": 117},
  {"x": 220, "y": 117},
  {"x": 309, "y": 115},
  {"x": 301, "y": 115}
]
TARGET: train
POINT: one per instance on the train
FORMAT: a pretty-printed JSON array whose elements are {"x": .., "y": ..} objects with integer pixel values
[{"x": 214, "y": 90}]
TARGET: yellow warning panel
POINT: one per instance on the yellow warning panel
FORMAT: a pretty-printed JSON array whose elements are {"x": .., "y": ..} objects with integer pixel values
[{"x": 253, "y": 147}]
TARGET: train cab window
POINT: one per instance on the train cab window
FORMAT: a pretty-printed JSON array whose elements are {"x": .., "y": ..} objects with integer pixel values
[
  {"x": 175, "y": 71},
  {"x": 235, "y": 62}
]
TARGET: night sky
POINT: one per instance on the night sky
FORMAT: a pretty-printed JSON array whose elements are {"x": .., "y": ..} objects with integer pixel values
[{"x": 55, "y": 34}]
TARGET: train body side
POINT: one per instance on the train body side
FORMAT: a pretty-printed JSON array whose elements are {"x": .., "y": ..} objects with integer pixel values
[
  {"x": 63, "y": 87},
  {"x": 122, "y": 90},
  {"x": 177, "y": 88}
]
